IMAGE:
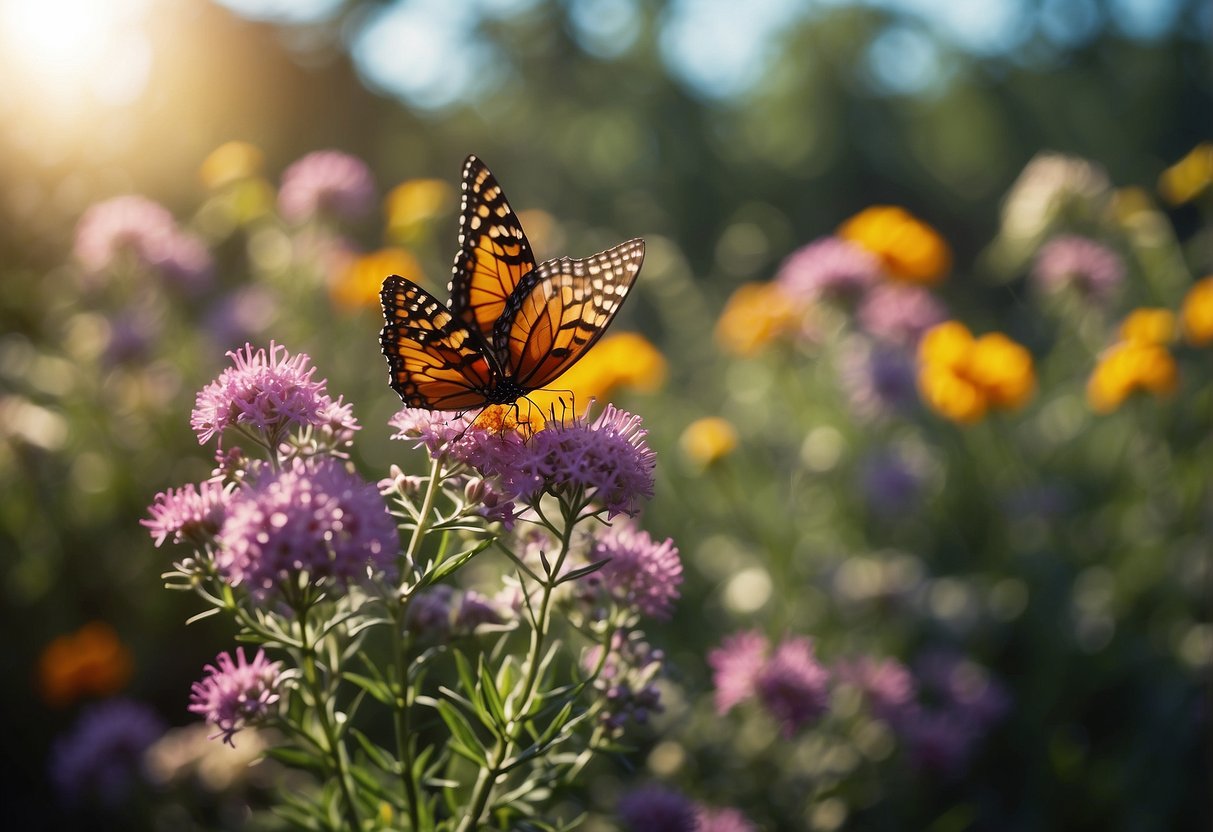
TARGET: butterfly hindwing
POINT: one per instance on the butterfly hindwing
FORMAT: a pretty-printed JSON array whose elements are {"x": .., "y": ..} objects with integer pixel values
[
  {"x": 494, "y": 254},
  {"x": 435, "y": 361},
  {"x": 560, "y": 310}
]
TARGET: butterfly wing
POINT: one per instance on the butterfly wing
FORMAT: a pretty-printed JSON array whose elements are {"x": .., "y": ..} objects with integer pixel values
[
  {"x": 435, "y": 361},
  {"x": 560, "y": 310},
  {"x": 494, "y": 255}
]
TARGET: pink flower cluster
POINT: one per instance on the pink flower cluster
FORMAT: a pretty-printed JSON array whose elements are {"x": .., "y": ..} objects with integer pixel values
[
  {"x": 135, "y": 227},
  {"x": 237, "y": 693},
  {"x": 790, "y": 683}
]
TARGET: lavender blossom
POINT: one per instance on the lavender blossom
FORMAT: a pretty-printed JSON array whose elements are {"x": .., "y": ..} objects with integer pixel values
[
  {"x": 879, "y": 379},
  {"x": 723, "y": 820},
  {"x": 1090, "y": 268},
  {"x": 899, "y": 314},
  {"x": 235, "y": 694},
  {"x": 626, "y": 678},
  {"x": 131, "y": 226},
  {"x": 657, "y": 809},
  {"x": 639, "y": 573},
  {"x": 886, "y": 685},
  {"x": 829, "y": 269},
  {"x": 792, "y": 685},
  {"x": 102, "y": 756},
  {"x": 267, "y": 392},
  {"x": 314, "y": 516},
  {"x": 326, "y": 182},
  {"x": 190, "y": 514},
  {"x": 736, "y": 665}
]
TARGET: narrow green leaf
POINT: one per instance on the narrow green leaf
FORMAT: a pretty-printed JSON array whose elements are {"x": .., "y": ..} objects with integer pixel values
[
  {"x": 377, "y": 689},
  {"x": 294, "y": 758},
  {"x": 582, "y": 572},
  {"x": 379, "y": 756},
  {"x": 461, "y": 733}
]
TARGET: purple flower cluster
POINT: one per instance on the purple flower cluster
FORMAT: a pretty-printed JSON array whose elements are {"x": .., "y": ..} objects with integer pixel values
[
  {"x": 135, "y": 227},
  {"x": 626, "y": 679},
  {"x": 326, "y": 182},
  {"x": 790, "y": 683},
  {"x": 639, "y": 573},
  {"x": 657, "y": 809},
  {"x": 829, "y": 269},
  {"x": 313, "y": 516},
  {"x": 899, "y": 314},
  {"x": 268, "y": 392},
  {"x": 190, "y": 514},
  {"x": 723, "y": 820},
  {"x": 879, "y": 379},
  {"x": 102, "y": 756},
  {"x": 237, "y": 693},
  {"x": 890, "y": 485},
  {"x": 941, "y": 711},
  {"x": 440, "y": 612},
  {"x": 1092, "y": 269}
]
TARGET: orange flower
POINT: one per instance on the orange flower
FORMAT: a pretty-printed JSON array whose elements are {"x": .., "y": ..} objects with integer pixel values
[
  {"x": 1149, "y": 326},
  {"x": 755, "y": 315},
  {"x": 707, "y": 440},
  {"x": 962, "y": 377},
  {"x": 1128, "y": 367},
  {"x": 1189, "y": 177},
  {"x": 358, "y": 282},
  {"x": 89, "y": 662},
  {"x": 622, "y": 360},
  {"x": 912, "y": 251},
  {"x": 1196, "y": 314}
]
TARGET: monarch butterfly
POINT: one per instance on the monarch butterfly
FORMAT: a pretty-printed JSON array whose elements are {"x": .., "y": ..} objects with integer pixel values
[{"x": 511, "y": 326}]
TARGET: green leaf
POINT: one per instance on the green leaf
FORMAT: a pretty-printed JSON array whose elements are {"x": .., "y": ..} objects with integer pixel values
[
  {"x": 463, "y": 738},
  {"x": 375, "y": 688},
  {"x": 491, "y": 697},
  {"x": 452, "y": 563},
  {"x": 294, "y": 758},
  {"x": 582, "y": 572},
  {"x": 379, "y": 756}
]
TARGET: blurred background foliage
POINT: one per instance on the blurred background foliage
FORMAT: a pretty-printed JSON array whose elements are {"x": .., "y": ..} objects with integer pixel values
[{"x": 728, "y": 135}]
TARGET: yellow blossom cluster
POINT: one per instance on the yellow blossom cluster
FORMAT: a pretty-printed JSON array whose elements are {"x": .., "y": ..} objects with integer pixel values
[
  {"x": 357, "y": 283},
  {"x": 757, "y": 314},
  {"x": 910, "y": 250},
  {"x": 1139, "y": 361},
  {"x": 1189, "y": 177},
  {"x": 1196, "y": 313},
  {"x": 708, "y": 440},
  {"x": 963, "y": 377}
]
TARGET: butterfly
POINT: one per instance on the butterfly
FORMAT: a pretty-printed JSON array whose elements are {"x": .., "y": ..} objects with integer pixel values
[{"x": 512, "y": 326}]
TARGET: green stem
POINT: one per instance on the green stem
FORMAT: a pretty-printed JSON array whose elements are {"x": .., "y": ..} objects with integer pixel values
[
  {"x": 335, "y": 748},
  {"x": 486, "y": 780}
]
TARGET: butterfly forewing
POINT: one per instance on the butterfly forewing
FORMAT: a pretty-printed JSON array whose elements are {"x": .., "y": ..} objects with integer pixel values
[
  {"x": 560, "y": 310},
  {"x": 494, "y": 255},
  {"x": 434, "y": 360}
]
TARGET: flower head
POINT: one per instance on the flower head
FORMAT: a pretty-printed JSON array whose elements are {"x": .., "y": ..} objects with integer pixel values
[
  {"x": 267, "y": 392},
  {"x": 326, "y": 182},
  {"x": 606, "y": 461},
  {"x": 625, "y": 360},
  {"x": 757, "y": 314},
  {"x": 190, "y": 514},
  {"x": 1092, "y": 269},
  {"x": 878, "y": 379},
  {"x": 639, "y": 573},
  {"x": 899, "y": 314},
  {"x": 736, "y": 664},
  {"x": 102, "y": 756},
  {"x": 886, "y": 685},
  {"x": 1189, "y": 177},
  {"x": 830, "y": 269},
  {"x": 314, "y": 516},
  {"x": 792, "y": 685},
  {"x": 236, "y": 693},
  {"x": 910, "y": 249},
  {"x": 123, "y": 226},
  {"x": 1126, "y": 368},
  {"x": 723, "y": 820},
  {"x": 230, "y": 162},
  {"x": 657, "y": 809},
  {"x": 963, "y": 377},
  {"x": 1196, "y": 314},
  {"x": 357, "y": 283},
  {"x": 626, "y": 678},
  {"x": 415, "y": 201},
  {"x": 92, "y": 661},
  {"x": 708, "y": 440}
]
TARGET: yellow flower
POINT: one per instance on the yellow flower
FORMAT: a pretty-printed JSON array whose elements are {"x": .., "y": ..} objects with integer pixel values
[
  {"x": 1149, "y": 326},
  {"x": 1189, "y": 177},
  {"x": 911, "y": 250},
  {"x": 962, "y": 377},
  {"x": 230, "y": 162},
  {"x": 358, "y": 282},
  {"x": 1127, "y": 367},
  {"x": 89, "y": 662},
  {"x": 1196, "y": 314},
  {"x": 755, "y": 315},
  {"x": 707, "y": 440},
  {"x": 623, "y": 360},
  {"x": 414, "y": 202}
]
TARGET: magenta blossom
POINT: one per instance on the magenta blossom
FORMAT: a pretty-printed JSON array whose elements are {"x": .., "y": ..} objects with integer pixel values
[
  {"x": 723, "y": 820},
  {"x": 736, "y": 664},
  {"x": 899, "y": 314},
  {"x": 829, "y": 269},
  {"x": 191, "y": 513},
  {"x": 235, "y": 694},
  {"x": 793, "y": 685},
  {"x": 326, "y": 182},
  {"x": 131, "y": 226},
  {"x": 1090, "y": 268},
  {"x": 639, "y": 573},
  {"x": 657, "y": 809}
]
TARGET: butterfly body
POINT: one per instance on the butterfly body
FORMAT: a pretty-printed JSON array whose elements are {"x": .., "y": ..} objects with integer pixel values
[{"x": 512, "y": 326}]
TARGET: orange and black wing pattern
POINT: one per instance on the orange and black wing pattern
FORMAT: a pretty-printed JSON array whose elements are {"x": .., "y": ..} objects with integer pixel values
[
  {"x": 494, "y": 254},
  {"x": 560, "y": 310},
  {"x": 434, "y": 360}
]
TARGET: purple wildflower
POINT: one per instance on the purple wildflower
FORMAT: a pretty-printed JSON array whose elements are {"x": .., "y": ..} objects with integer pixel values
[
  {"x": 102, "y": 756},
  {"x": 606, "y": 461},
  {"x": 235, "y": 694},
  {"x": 878, "y": 379},
  {"x": 626, "y": 678},
  {"x": 830, "y": 269},
  {"x": 792, "y": 685},
  {"x": 1091, "y": 268},
  {"x": 123, "y": 226},
  {"x": 487, "y": 500},
  {"x": 436, "y": 430},
  {"x": 639, "y": 572},
  {"x": 326, "y": 182},
  {"x": 886, "y": 685},
  {"x": 191, "y": 513},
  {"x": 429, "y": 612},
  {"x": 736, "y": 664},
  {"x": 657, "y": 809},
  {"x": 266, "y": 392},
  {"x": 474, "y": 610},
  {"x": 313, "y": 516},
  {"x": 890, "y": 485},
  {"x": 899, "y": 314},
  {"x": 723, "y": 820}
]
